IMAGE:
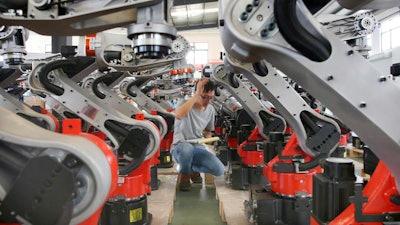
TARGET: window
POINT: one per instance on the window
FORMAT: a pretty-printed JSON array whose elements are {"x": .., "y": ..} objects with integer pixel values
[
  {"x": 198, "y": 53},
  {"x": 390, "y": 33},
  {"x": 37, "y": 43}
]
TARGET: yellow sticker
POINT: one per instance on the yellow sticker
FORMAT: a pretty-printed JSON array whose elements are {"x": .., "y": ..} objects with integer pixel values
[
  {"x": 167, "y": 158},
  {"x": 135, "y": 215}
]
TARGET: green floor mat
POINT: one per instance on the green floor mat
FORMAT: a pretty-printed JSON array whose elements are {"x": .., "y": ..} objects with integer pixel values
[{"x": 196, "y": 207}]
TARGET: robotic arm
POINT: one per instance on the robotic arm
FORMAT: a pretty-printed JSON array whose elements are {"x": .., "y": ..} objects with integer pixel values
[
  {"x": 11, "y": 103},
  {"x": 71, "y": 17},
  {"x": 316, "y": 134},
  {"x": 319, "y": 62},
  {"x": 123, "y": 132},
  {"x": 267, "y": 121},
  {"x": 100, "y": 89},
  {"x": 12, "y": 40},
  {"x": 114, "y": 50},
  {"x": 69, "y": 176},
  {"x": 368, "y": 4}
]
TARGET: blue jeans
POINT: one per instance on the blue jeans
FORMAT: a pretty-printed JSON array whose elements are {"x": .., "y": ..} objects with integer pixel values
[{"x": 194, "y": 157}]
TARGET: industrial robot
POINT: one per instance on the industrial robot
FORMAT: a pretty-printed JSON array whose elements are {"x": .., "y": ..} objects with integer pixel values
[
  {"x": 70, "y": 175},
  {"x": 134, "y": 142},
  {"x": 251, "y": 145},
  {"x": 286, "y": 35},
  {"x": 153, "y": 80}
]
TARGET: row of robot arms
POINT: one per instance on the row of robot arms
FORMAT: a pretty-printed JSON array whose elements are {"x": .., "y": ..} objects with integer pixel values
[
  {"x": 303, "y": 184},
  {"x": 76, "y": 176},
  {"x": 235, "y": 103}
]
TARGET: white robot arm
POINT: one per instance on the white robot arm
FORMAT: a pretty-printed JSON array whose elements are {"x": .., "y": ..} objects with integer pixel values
[
  {"x": 321, "y": 63},
  {"x": 71, "y": 17}
]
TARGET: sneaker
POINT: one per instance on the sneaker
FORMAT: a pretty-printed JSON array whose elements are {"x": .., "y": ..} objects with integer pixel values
[
  {"x": 196, "y": 178},
  {"x": 184, "y": 182}
]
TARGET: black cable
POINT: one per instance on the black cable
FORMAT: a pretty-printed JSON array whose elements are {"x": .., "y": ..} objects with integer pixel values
[
  {"x": 292, "y": 29},
  {"x": 46, "y": 69}
]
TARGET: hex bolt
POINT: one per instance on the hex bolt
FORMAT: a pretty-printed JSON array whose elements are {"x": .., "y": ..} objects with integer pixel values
[
  {"x": 351, "y": 52},
  {"x": 249, "y": 8},
  {"x": 79, "y": 183},
  {"x": 382, "y": 79},
  {"x": 271, "y": 26},
  {"x": 264, "y": 32},
  {"x": 256, "y": 3},
  {"x": 71, "y": 162},
  {"x": 244, "y": 16}
]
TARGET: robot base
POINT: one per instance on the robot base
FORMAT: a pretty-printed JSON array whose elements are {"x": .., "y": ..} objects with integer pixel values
[
  {"x": 265, "y": 208},
  {"x": 243, "y": 176},
  {"x": 227, "y": 155},
  {"x": 154, "y": 181},
  {"x": 126, "y": 212}
]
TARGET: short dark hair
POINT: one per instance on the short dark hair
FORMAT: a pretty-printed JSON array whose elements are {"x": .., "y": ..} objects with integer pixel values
[{"x": 209, "y": 86}]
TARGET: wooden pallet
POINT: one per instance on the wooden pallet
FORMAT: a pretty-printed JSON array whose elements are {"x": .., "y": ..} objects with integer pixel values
[
  {"x": 231, "y": 208},
  {"x": 355, "y": 152},
  {"x": 161, "y": 201}
]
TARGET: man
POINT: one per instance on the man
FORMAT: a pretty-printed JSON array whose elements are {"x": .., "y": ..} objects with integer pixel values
[{"x": 194, "y": 119}]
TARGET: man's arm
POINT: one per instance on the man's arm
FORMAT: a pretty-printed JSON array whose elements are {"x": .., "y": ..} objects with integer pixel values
[{"x": 182, "y": 111}]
